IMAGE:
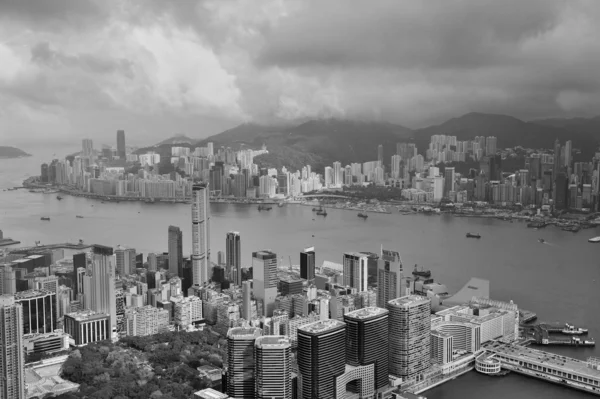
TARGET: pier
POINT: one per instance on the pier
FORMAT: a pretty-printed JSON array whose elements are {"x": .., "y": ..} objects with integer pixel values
[
  {"x": 573, "y": 373},
  {"x": 539, "y": 334}
]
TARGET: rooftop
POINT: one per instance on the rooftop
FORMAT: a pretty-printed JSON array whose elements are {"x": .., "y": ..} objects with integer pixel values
[
  {"x": 210, "y": 393},
  {"x": 409, "y": 300},
  {"x": 29, "y": 294},
  {"x": 273, "y": 341},
  {"x": 84, "y": 315},
  {"x": 356, "y": 254},
  {"x": 244, "y": 332},
  {"x": 366, "y": 313},
  {"x": 322, "y": 326},
  {"x": 264, "y": 254}
]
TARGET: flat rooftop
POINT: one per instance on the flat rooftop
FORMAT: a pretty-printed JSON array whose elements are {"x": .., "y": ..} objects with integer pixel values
[
  {"x": 320, "y": 327},
  {"x": 273, "y": 341},
  {"x": 366, "y": 313},
  {"x": 30, "y": 294},
  {"x": 264, "y": 254},
  {"x": 356, "y": 254},
  {"x": 409, "y": 300},
  {"x": 244, "y": 332},
  {"x": 84, "y": 315},
  {"x": 544, "y": 358}
]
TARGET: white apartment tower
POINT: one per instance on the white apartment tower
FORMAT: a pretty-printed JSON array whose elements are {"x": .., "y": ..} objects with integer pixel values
[{"x": 200, "y": 233}]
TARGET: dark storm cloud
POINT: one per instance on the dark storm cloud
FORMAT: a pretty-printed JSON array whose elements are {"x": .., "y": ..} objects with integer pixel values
[{"x": 55, "y": 14}]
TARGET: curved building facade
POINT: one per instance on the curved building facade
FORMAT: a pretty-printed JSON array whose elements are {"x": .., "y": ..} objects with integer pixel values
[
  {"x": 241, "y": 362},
  {"x": 273, "y": 357}
]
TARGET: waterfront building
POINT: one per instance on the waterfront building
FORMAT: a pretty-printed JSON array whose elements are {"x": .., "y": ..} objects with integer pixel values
[
  {"x": 39, "y": 310},
  {"x": 356, "y": 269},
  {"x": 200, "y": 233},
  {"x": 409, "y": 336},
  {"x": 99, "y": 284},
  {"x": 264, "y": 276},
  {"x": 87, "y": 326},
  {"x": 12, "y": 361},
  {"x": 450, "y": 339},
  {"x": 273, "y": 365},
  {"x": 175, "y": 251},
  {"x": 449, "y": 181},
  {"x": 390, "y": 280},
  {"x": 321, "y": 357},
  {"x": 121, "y": 144},
  {"x": 233, "y": 257},
  {"x": 367, "y": 342},
  {"x": 241, "y": 362},
  {"x": 307, "y": 263}
]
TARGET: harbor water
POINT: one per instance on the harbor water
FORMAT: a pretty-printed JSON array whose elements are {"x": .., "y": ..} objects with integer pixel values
[{"x": 558, "y": 279}]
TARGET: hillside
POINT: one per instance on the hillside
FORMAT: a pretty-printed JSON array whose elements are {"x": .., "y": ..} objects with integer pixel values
[
  {"x": 177, "y": 139},
  {"x": 12, "y": 152},
  {"x": 318, "y": 142}
]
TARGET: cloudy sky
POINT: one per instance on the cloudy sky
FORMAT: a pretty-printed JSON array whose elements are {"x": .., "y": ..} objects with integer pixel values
[{"x": 76, "y": 68}]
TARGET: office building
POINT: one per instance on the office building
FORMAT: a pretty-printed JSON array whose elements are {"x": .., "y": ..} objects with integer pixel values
[
  {"x": 87, "y": 147},
  {"x": 99, "y": 293},
  {"x": 409, "y": 336},
  {"x": 390, "y": 280},
  {"x": 490, "y": 145},
  {"x": 121, "y": 144},
  {"x": 273, "y": 360},
  {"x": 356, "y": 270},
  {"x": 449, "y": 180},
  {"x": 264, "y": 277},
  {"x": 241, "y": 362},
  {"x": 233, "y": 257},
  {"x": 125, "y": 258},
  {"x": 367, "y": 341},
  {"x": 12, "y": 361},
  {"x": 175, "y": 251},
  {"x": 290, "y": 286},
  {"x": 307, "y": 264},
  {"x": 79, "y": 260},
  {"x": 200, "y": 233},
  {"x": 8, "y": 279},
  {"x": 246, "y": 300},
  {"x": 321, "y": 357},
  {"x": 39, "y": 310},
  {"x": 380, "y": 155},
  {"x": 87, "y": 326}
]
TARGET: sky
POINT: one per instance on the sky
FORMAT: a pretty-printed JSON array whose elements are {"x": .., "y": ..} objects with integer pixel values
[{"x": 71, "y": 69}]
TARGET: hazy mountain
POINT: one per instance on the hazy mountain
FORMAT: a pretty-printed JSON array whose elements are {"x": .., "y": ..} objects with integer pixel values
[
  {"x": 177, "y": 139},
  {"x": 582, "y": 126},
  {"x": 12, "y": 152}
]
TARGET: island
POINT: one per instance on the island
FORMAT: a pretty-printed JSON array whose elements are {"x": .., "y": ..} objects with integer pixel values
[{"x": 12, "y": 152}]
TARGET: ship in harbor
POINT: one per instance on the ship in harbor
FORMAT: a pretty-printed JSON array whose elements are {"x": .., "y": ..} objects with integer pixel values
[
  {"x": 322, "y": 212},
  {"x": 572, "y": 330},
  {"x": 471, "y": 235},
  {"x": 264, "y": 208},
  {"x": 421, "y": 273},
  {"x": 594, "y": 240},
  {"x": 46, "y": 218},
  {"x": 58, "y": 197},
  {"x": 363, "y": 215}
]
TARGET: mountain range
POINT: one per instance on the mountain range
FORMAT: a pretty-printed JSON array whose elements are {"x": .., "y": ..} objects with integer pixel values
[
  {"x": 321, "y": 142},
  {"x": 12, "y": 152}
]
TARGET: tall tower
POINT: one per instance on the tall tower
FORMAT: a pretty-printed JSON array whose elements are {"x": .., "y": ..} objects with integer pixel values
[
  {"x": 175, "y": 250},
  {"x": 568, "y": 153},
  {"x": 273, "y": 360},
  {"x": 356, "y": 270},
  {"x": 264, "y": 276},
  {"x": 121, "y": 144},
  {"x": 246, "y": 300},
  {"x": 307, "y": 264},
  {"x": 99, "y": 284},
  {"x": 12, "y": 362},
  {"x": 380, "y": 155},
  {"x": 321, "y": 357},
  {"x": 233, "y": 257},
  {"x": 200, "y": 233},
  {"x": 240, "y": 360},
  {"x": 87, "y": 147},
  {"x": 367, "y": 341},
  {"x": 409, "y": 336},
  {"x": 125, "y": 258},
  {"x": 389, "y": 277}
]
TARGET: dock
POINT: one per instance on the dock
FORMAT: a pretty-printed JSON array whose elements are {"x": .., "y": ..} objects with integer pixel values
[
  {"x": 8, "y": 241},
  {"x": 540, "y": 334},
  {"x": 526, "y": 316},
  {"x": 569, "y": 372}
]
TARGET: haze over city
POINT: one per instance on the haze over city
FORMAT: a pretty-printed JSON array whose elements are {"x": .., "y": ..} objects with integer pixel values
[{"x": 81, "y": 67}]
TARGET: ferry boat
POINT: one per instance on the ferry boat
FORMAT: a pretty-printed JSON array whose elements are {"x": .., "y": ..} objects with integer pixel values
[
  {"x": 571, "y": 330},
  {"x": 470, "y": 235},
  {"x": 79, "y": 217},
  {"x": 594, "y": 240},
  {"x": 421, "y": 273},
  {"x": 363, "y": 215},
  {"x": 58, "y": 197},
  {"x": 45, "y": 218},
  {"x": 264, "y": 208},
  {"x": 322, "y": 212},
  {"x": 542, "y": 240}
]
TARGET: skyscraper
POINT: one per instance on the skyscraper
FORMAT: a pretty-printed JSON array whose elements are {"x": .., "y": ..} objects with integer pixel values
[
  {"x": 367, "y": 341},
  {"x": 99, "y": 284},
  {"x": 380, "y": 155},
  {"x": 233, "y": 257},
  {"x": 409, "y": 336},
  {"x": 356, "y": 270},
  {"x": 321, "y": 357},
  {"x": 448, "y": 180},
  {"x": 175, "y": 250},
  {"x": 557, "y": 164},
  {"x": 307, "y": 264},
  {"x": 246, "y": 300},
  {"x": 79, "y": 260},
  {"x": 273, "y": 360},
  {"x": 241, "y": 363},
  {"x": 39, "y": 310},
  {"x": 264, "y": 276},
  {"x": 12, "y": 362},
  {"x": 200, "y": 233},
  {"x": 121, "y": 144},
  {"x": 125, "y": 258},
  {"x": 87, "y": 147},
  {"x": 490, "y": 146},
  {"x": 389, "y": 277},
  {"x": 568, "y": 153},
  {"x": 338, "y": 174}
]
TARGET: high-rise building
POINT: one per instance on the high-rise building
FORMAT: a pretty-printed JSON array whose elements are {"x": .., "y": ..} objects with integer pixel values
[
  {"x": 121, "y": 144},
  {"x": 307, "y": 264},
  {"x": 321, "y": 357},
  {"x": 200, "y": 233},
  {"x": 367, "y": 341},
  {"x": 87, "y": 147},
  {"x": 79, "y": 260},
  {"x": 568, "y": 153},
  {"x": 561, "y": 192},
  {"x": 175, "y": 250},
  {"x": 338, "y": 174},
  {"x": 273, "y": 360},
  {"x": 8, "y": 280},
  {"x": 99, "y": 284},
  {"x": 409, "y": 336},
  {"x": 264, "y": 277},
  {"x": 39, "y": 311},
  {"x": 12, "y": 361},
  {"x": 557, "y": 164},
  {"x": 380, "y": 155},
  {"x": 87, "y": 326},
  {"x": 247, "y": 300},
  {"x": 389, "y": 277},
  {"x": 490, "y": 145},
  {"x": 125, "y": 258},
  {"x": 356, "y": 270},
  {"x": 233, "y": 257},
  {"x": 241, "y": 363}
]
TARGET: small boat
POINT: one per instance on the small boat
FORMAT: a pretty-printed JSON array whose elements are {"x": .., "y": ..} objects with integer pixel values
[
  {"x": 280, "y": 204},
  {"x": 542, "y": 240},
  {"x": 45, "y": 218},
  {"x": 316, "y": 209},
  {"x": 571, "y": 330},
  {"x": 363, "y": 215},
  {"x": 594, "y": 240},
  {"x": 471, "y": 235},
  {"x": 79, "y": 217},
  {"x": 58, "y": 197},
  {"x": 322, "y": 213},
  {"x": 421, "y": 273},
  {"x": 102, "y": 202}
]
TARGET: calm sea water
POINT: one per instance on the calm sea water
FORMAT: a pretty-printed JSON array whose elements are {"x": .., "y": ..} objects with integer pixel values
[{"x": 559, "y": 280}]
